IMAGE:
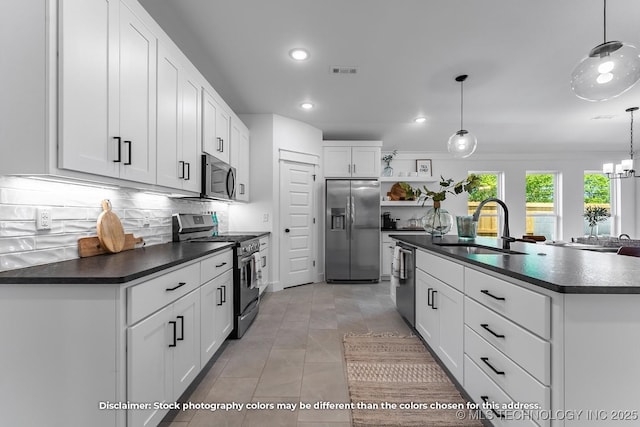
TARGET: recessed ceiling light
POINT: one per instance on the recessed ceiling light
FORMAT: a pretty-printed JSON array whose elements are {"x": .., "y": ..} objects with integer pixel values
[
  {"x": 420, "y": 119},
  {"x": 299, "y": 54},
  {"x": 306, "y": 106}
]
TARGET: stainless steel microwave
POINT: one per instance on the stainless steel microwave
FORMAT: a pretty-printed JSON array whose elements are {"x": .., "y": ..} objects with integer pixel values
[{"x": 218, "y": 179}]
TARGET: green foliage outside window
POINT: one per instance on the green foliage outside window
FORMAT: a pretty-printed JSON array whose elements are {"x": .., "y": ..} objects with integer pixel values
[
  {"x": 540, "y": 188},
  {"x": 487, "y": 188},
  {"x": 596, "y": 189}
]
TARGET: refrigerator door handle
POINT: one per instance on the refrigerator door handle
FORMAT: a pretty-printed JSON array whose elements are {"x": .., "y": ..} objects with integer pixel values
[
  {"x": 353, "y": 214},
  {"x": 348, "y": 218}
]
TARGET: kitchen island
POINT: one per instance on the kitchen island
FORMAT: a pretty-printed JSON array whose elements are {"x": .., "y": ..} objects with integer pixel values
[
  {"x": 111, "y": 340},
  {"x": 541, "y": 335}
]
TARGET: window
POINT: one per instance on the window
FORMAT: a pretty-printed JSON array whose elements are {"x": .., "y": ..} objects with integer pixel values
[
  {"x": 490, "y": 218},
  {"x": 597, "y": 193},
  {"x": 542, "y": 206}
]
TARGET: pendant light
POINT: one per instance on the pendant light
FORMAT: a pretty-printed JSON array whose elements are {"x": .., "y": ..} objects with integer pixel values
[
  {"x": 609, "y": 70},
  {"x": 625, "y": 168},
  {"x": 462, "y": 143}
]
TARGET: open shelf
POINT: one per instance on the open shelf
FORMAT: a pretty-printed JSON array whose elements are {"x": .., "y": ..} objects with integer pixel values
[
  {"x": 403, "y": 203},
  {"x": 408, "y": 179}
]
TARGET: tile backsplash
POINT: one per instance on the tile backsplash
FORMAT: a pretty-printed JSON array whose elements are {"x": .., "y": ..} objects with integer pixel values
[{"x": 74, "y": 212}]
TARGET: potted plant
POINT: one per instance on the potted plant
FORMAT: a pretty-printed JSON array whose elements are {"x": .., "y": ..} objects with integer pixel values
[
  {"x": 594, "y": 215},
  {"x": 388, "y": 170},
  {"x": 437, "y": 220}
]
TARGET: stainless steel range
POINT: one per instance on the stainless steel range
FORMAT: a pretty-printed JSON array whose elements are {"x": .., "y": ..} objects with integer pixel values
[{"x": 194, "y": 228}]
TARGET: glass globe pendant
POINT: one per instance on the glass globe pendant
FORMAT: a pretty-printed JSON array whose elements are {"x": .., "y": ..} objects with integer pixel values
[
  {"x": 608, "y": 71},
  {"x": 462, "y": 143}
]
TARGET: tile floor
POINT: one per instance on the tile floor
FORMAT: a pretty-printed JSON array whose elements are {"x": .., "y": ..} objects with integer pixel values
[{"x": 292, "y": 353}]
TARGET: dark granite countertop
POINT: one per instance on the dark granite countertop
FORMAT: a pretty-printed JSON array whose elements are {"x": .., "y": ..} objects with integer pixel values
[
  {"x": 113, "y": 268},
  {"x": 559, "y": 269}
]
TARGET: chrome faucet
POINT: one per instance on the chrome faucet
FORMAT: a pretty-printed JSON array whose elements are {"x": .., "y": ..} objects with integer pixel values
[{"x": 507, "y": 239}]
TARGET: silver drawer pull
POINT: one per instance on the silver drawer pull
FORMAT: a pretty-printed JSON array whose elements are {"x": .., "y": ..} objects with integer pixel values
[
  {"x": 486, "y": 362},
  {"x": 486, "y": 292},
  {"x": 486, "y": 327}
]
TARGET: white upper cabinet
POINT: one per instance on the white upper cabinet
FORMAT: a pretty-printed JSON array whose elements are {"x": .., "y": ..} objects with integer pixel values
[
  {"x": 215, "y": 128},
  {"x": 345, "y": 161},
  {"x": 240, "y": 158},
  {"x": 178, "y": 123},
  {"x": 107, "y": 104}
]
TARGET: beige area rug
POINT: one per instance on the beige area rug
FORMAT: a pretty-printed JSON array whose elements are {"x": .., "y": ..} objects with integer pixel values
[{"x": 384, "y": 370}]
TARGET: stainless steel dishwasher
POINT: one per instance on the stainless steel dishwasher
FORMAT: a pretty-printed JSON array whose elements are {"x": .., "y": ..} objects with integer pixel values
[{"x": 406, "y": 290}]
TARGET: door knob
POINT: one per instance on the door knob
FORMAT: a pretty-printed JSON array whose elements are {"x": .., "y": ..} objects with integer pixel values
[{"x": 286, "y": 230}]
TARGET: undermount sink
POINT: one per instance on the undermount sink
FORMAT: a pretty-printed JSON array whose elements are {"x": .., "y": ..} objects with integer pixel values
[{"x": 476, "y": 249}]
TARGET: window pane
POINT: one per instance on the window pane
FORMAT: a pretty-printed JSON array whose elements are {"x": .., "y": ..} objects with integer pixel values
[
  {"x": 488, "y": 222},
  {"x": 541, "y": 217},
  {"x": 597, "y": 199}
]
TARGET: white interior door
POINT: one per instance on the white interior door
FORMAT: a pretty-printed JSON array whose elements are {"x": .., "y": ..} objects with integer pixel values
[{"x": 297, "y": 259}]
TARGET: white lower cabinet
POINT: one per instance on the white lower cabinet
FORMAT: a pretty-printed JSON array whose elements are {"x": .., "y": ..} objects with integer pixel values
[
  {"x": 386, "y": 253},
  {"x": 439, "y": 320},
  {"x": 176, "y": 324},
  {"x": 163, "y": 357},
  {"x": 265, "y": 261},
  {"x": 216, "y": 321}
]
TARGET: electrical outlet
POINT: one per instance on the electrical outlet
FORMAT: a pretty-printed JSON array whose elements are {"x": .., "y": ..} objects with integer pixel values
[
  {"x": 43, "y": 219},
  {"x": 146, "y": 221},
  {"x": 265, "y": 217}
]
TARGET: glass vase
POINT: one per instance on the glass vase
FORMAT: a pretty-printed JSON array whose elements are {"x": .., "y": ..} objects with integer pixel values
[
  {"x": 593, "y": 231},
  {"x": 387, "y": 171},
  {"x": 437, "y": 221}
]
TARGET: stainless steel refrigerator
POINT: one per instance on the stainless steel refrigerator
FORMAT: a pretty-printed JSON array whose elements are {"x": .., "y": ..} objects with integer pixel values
[{"x": 352, "y": 231}]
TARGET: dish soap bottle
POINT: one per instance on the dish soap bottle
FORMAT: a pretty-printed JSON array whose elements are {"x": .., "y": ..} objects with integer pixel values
[{"x": 214, "y": 218}]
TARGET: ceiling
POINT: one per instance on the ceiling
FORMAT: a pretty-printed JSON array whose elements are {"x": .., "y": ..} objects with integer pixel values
[{"x": 518, "y": 54}]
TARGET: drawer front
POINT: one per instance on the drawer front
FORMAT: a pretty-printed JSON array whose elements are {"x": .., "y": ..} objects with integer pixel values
[
  {"x": 447, "y": 271},
  {"x": 482, "y": 389},
  {"x": 147, "y": 297},
  {"x": 524, "y": 307},
  {"x": 216, "y": 265},
  {"x": 517, "y": 383},
  {"x": 527, "y": 350}
]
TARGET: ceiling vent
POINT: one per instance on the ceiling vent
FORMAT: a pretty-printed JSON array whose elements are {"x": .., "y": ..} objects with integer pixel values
[{"x": 348, "y": 71}]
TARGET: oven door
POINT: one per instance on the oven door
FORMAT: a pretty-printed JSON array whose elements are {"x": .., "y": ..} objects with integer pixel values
[
  {"x": 218, "y": 179},
  {"x": 248, "y": 285}
]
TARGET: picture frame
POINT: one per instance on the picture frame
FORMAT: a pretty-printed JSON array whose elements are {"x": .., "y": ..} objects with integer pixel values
[{"x": 423, "y": 167}]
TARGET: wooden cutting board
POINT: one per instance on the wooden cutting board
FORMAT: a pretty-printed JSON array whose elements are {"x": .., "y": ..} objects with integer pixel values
[
  {"x": 110, "y": 231},
  {"x": 90, "y": 246}
]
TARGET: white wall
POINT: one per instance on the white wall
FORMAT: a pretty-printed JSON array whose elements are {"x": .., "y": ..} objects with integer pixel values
[
  {"x": 571, "y": 167},
  {"x": 271, "y": 134}
]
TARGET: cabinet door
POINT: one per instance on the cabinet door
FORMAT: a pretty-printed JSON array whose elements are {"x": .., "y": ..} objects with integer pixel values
[
  {"x": 240, "y": 158},
  {"x": 210, "y": 297},
  {"x": 449, "y": 305},
  {"x": 169, "y": 120},
  {"x": 243, "y": 164},
  {"x": 336, "y": 161},
  {"x": 224, "y": 314},
  {"x": 427, "y": 318},
  {"x": 223, "y": 128},
  {"x": 85, "y": 37},
  {"x": 215, "y": 128},
  {"x": 365, "y": 162},
  {"x": 387, "y": 255},
  {"x": 149, "y": 366},
  {"x": 136, "y": 95},
  {"x": 265, "y": 261},
  {"x": 190, "y": 134},
  {"x": 186, "y": 353}
]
